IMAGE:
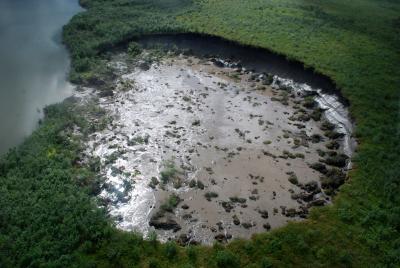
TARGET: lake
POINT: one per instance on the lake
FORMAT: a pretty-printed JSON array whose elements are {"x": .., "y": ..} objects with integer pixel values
[{"x": 33, "y": 63}]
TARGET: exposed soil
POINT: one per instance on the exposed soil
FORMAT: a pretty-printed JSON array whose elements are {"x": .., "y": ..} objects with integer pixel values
[{"x": 202, "y": 149}]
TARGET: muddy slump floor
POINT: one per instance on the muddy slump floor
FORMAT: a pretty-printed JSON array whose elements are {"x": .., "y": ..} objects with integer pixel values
[{"x": 199, "y": 151}]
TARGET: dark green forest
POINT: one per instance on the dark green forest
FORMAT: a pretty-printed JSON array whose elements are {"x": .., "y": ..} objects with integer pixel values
[{"x": 49, "y": 216}]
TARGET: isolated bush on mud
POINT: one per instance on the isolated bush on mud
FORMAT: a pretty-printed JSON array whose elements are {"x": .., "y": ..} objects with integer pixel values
[
  {"x": 309, "y": 102},
  {"x": 293, "y": 178},
  {"x": 236, "y": 199},
  {"x": 196, "y": 183},
  {"x": 171, "y": 203},
  {"x": 210, "y": 195},
  {"x": 169, "y": 172},
  {"x": 333, "y": 178},
  {"x": 154, "y": 182},
  {"x": 338, "y": 160},
  {"x": 319, "y": 167}
]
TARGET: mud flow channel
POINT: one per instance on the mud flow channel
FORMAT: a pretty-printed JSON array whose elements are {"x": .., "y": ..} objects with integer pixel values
[{"x": 201, "y": 149}]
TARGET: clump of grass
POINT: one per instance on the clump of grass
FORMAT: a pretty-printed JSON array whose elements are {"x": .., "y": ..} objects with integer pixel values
[
  {"x": 236, "y": 220},
  {"x": 297, "y": 142},
  {"x": 333, "y": 135},
  {"x": 247, "y": 225},
  {"x": 186, "y": 98},
  {"x": 332, "y": 145},
  {"x": 332, "y": 180},
  {"x": 210, "y": 195},
  {"x": 319, "y": 167},
  {"x": 192, "y": 184},
  {"x": 316, "y": 114},
  {"x": 235, "y": 76},
  {"x": 139, "y": 140},
  {"x": 171, "y": 203},
  {"x": 286, "y": 154},
  {"x": 200, "y": 185},
  {"x": 113, "y": 157},
  {"x": 316, "y": 138},
  {"x": 154, "y": 182},
  {"x": 321, "y": 153},
  {"x": 236, "y": 199},
  {"x": 309, "y": 102},
  {"x": 196, "y": 183},
  {"x": 338, "y": 160},
  {"x": 169, "y": 172},
  {"x": 134, "y": 49},
  {"x": 196, "y": 123},
  {"x": 177, "y": 183},
  {"x": 326, "y": 125},
  {"x": 293, "y": 178}
]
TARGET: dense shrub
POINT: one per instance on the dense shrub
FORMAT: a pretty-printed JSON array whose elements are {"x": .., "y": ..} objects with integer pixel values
[
  {"x": 134, "y": 49},
  {"x": 171, "y": 250},
  {"x": 226, "y": 259}
]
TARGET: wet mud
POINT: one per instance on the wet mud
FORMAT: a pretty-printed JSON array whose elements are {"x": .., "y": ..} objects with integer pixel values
[{"x": 201, "y": 149}]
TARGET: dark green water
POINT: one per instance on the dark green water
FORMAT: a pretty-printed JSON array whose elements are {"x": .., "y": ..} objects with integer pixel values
[{"x": 33, "y": 63}]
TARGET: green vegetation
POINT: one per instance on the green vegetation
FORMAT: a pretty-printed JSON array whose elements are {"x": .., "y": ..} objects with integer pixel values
[
  {"x": 236, "y": 199},
  {"x": 154, "y": 182},
  {"x": 48, "y": 218},
  {"x": 196, "y": 183},
  {"x": 46, "y": 209},
  {"x": 139, "y": 140},
  {"x": 134, "y": 49},
  {"x": 171, "y": 203},
  {"x": 293, "y": 178},
  {"x": 108, "y": 23},
  {"x": 210, "y": 195},
  {"x": 169, "y": 172}
]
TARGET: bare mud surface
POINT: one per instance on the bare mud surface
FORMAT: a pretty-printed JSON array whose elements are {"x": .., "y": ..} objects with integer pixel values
[{"x": 201, "y": 150}]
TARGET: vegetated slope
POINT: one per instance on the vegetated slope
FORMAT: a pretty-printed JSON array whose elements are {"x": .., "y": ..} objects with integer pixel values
[
  {"x": 107, "y": 23},
  {"x": 355, "y": 43},
  {"x": 46, "y": 211}
]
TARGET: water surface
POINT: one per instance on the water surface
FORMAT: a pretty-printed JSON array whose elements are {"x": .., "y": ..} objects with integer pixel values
[{"x": 33, "y": 63}]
